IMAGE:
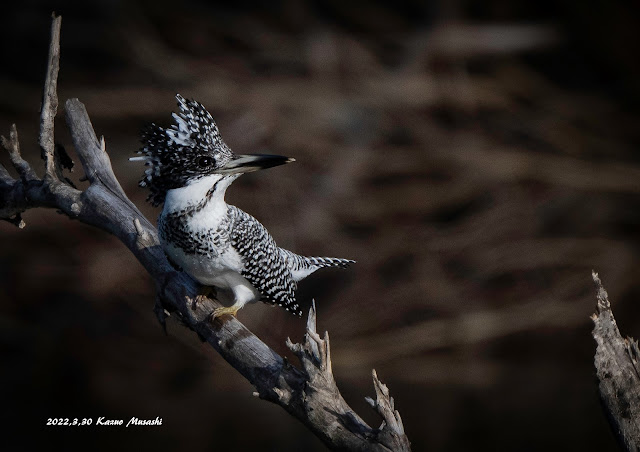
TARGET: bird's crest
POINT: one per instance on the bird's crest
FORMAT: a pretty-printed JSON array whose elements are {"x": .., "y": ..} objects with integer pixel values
[{"x": 172, "y": 153}]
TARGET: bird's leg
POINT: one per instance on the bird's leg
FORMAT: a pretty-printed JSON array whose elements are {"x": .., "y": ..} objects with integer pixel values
[{"x": 242, "y": 295}]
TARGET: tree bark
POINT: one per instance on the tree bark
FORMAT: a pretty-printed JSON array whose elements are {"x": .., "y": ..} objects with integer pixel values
[
  {"x": 309, "y": 394},
  {"x": 618, "y": 372}
]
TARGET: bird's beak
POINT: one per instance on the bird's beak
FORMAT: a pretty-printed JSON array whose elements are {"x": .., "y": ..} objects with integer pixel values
[{"x": 253, "y": 162}]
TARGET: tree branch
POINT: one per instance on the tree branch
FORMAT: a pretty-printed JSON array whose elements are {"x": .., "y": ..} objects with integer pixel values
[
  {"x": 50, "y": 100},
  {"x": 309, "y": 394},
  {"x": 618, "y": 371}
]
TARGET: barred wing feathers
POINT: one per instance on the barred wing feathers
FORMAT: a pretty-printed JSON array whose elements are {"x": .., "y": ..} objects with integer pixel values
[
  {"x": 264, "y": 266},
  {"x": 272, "y": 270}
]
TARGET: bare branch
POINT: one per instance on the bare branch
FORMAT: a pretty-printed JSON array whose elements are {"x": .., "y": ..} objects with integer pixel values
[
  {"x": 5, "y": 177},
  {"x": 618, "y": 371},
  {"x": 31, "y": 191},
  {"x": 12, "y": 191},
  {"x": 392, "y": 428},
  {"x": 50, "y": 100},
  {"x": 310, "y": 395},
  {"x": 95, "y": 162},
  {"x": 325, "y": 406},
  {"x": 12, "y": 146}
]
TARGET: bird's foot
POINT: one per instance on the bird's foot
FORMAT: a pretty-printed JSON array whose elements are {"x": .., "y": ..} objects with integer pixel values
[
  {"x": 225, "y": 310},
  {"x": 203, "y": 293}
]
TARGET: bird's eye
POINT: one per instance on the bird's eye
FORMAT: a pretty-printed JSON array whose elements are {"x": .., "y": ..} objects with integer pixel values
[{"x": 205, "y": 162}]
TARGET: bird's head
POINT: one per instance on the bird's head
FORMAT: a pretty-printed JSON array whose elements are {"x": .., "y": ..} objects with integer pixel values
[{"x": 190, "y": 150}]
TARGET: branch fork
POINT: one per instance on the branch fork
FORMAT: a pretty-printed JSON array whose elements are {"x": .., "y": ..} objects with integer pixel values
[{"x": 315, "y": 356}]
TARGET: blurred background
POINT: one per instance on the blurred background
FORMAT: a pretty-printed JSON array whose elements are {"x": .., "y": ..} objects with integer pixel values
[{"x": 478, "y": 160}]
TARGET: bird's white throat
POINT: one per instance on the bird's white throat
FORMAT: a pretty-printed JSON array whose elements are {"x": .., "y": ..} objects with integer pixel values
[{"x": 207, "y": 194}]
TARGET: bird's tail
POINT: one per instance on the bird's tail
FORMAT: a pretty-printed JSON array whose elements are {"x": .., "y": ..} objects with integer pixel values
[
  {"x": 303, "y": 266},
  {"x": 321, "y": 262}
]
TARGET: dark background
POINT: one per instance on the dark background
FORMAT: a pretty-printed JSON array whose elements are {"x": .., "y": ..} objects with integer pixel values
[{"x": 477, "y": 159}]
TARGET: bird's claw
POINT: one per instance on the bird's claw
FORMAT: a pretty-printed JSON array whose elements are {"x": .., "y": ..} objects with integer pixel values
[{"x": 224, "y": 310}]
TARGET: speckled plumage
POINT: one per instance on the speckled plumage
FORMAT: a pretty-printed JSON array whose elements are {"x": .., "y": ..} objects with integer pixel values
[
  {"x": 172, "y": 153},
  {"x": 190, "y": 168}
]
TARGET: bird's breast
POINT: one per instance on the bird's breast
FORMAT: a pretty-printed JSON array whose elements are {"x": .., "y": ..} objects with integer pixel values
[
  {"x": 199, "y": 242},
  {"x": 205, "y": 267}
]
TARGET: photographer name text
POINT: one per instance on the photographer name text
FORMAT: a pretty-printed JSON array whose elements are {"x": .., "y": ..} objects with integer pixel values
[{"x": 102, "y": 421}]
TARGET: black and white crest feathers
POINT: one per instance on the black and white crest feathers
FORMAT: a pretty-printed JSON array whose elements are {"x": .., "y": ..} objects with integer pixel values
[{"x": 173, "y": 154}]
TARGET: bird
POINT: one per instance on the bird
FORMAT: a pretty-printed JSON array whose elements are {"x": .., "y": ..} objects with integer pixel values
[{"x": 220, "y": 246}]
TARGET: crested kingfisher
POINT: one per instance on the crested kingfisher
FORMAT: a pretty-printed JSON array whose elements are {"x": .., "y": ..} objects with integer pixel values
[{"x": 189, "y": 170}]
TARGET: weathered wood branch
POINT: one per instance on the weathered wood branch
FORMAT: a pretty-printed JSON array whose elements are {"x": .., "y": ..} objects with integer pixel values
[
  {"x": 309, "y": 394},
  {"x": 50, "y": 100},
  {"x": 618, "y": 372}
]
